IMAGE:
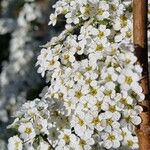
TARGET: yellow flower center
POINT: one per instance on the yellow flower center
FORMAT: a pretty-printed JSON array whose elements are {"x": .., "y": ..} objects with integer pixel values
[
  {"x": 128, "y": 34},
  {"x": 124, "y": 101},
  {"x": 86, "y": 105},
  {"x": 100, "y": 46},
  {"x": 66, "y": 139},
  {"x": 99, "y": 104},
  {"x": 66, "y": 57},
  {"x": 78, "y": 94},
  {"x": 17, "y": 145},
  {"x": 133, "y": 94},
  {"x": 108, "y": 92},
  {"x": 28, "y": 130},
  {"x": 81, "y": 122},
  {"x": 130, "y": 143},
  {"x": 113, "y": 50},
  {"x": 89, "y": 68},
  {"x": 52, "y": 62},
  {"x": 93, "y": 92},
  {"x": 127, "y": 61},
  {"x": 123, "y": 134},
  {"x": 123, "y": 21},
  {"x": 128, "y": 80},
  {"x": 108, "y": 78},
  {"x": 100, "y": 11},
  {"x": 128, "y": 119},
  {"x": 56, "y": 114},
  {"x": 39, "y": 126},
  {"x": 96, "y": 121},
  {"x": 113, "y": 7},
  {"x": 101, "y": 34},
  {"x": 112, "y": 109},
  {"x": 109, "y": 121},
  {"x": 111, "y": 137},
  {"x": 82, "y": 142},
  {"x": 87, "y": 9},
  {"x": 88, "y": 81}
]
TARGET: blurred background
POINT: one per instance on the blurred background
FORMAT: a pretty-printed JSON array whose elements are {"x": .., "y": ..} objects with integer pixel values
[{"x": 23, "y": 29}]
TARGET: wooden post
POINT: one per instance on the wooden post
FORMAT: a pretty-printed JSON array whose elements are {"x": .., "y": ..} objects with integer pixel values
[{"x": 140, "y": 8}]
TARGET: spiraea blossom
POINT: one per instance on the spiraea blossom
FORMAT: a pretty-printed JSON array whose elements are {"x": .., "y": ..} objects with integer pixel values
[{"x": 93, "y": 93}]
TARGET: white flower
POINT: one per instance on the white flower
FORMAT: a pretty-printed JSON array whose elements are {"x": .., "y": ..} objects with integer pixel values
[
  {"x": 27, "y": 131},
  {"x": 52, "y": 63},
  {"x": 118, "y": 38},
  {"x": 43, "y": 145},
  {"x": 53, "y": 136},
  {"x": 79, "y": 123},
  {"x": 122, "y": 23},
  {"x": 70, "y": 105},
  {"x": 53, "y": 19},
  {"x": 112, "y": 111},
  {"x": 66, "y": 138},
  {"x": 99, "y": 104},
  {"x": 41, "y": 61},
  {"x": 124, "y": 100},
  {"x": 131, "y": 117},
  {"x": 77, "y": 93},
  {"x": 88, "y": 65},
  {"x": 93, "y": 120},
  {"x": 127, "y": 79},
  {"x": 111, "y": 139},
  {"x": 40, "y": 126},
  {"x": 109, "y": 74},
  {"x": 72, "y": 18},
  {"x": 29, "y": 13},
  {"x": 93, "y": 30},
  {"x": 109, "y": 90},
  {"x": 103, "y": 10},
  {"x": 95, "y": 93},
  {"x": 103, "y": 33},
  {"x": 84, "y": 105},
  {"x": 15, "y": 143},
  {"x": 67, "y": 57},
  {"x": 85, "y": 142},
  {"x": 125, "y": 133},
  {"x": 128, "y": 58},
  {"x": 78, "y": 76},
  {"x": 116, "y": 7},
  {"x": 109, "y": 124},
  {"x": 136, "y": 92},
  {"x": 131, "y": 142},
  {"x": 28, "y": 109}
]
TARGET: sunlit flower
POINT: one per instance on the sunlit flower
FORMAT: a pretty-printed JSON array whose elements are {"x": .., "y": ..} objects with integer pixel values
[{"x": 15, "y": 143}]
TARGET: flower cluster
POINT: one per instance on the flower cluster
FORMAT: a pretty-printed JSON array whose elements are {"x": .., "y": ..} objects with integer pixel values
[
  {"x": 92, "y": 100},
  {"x": 32, "y": 121}
]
